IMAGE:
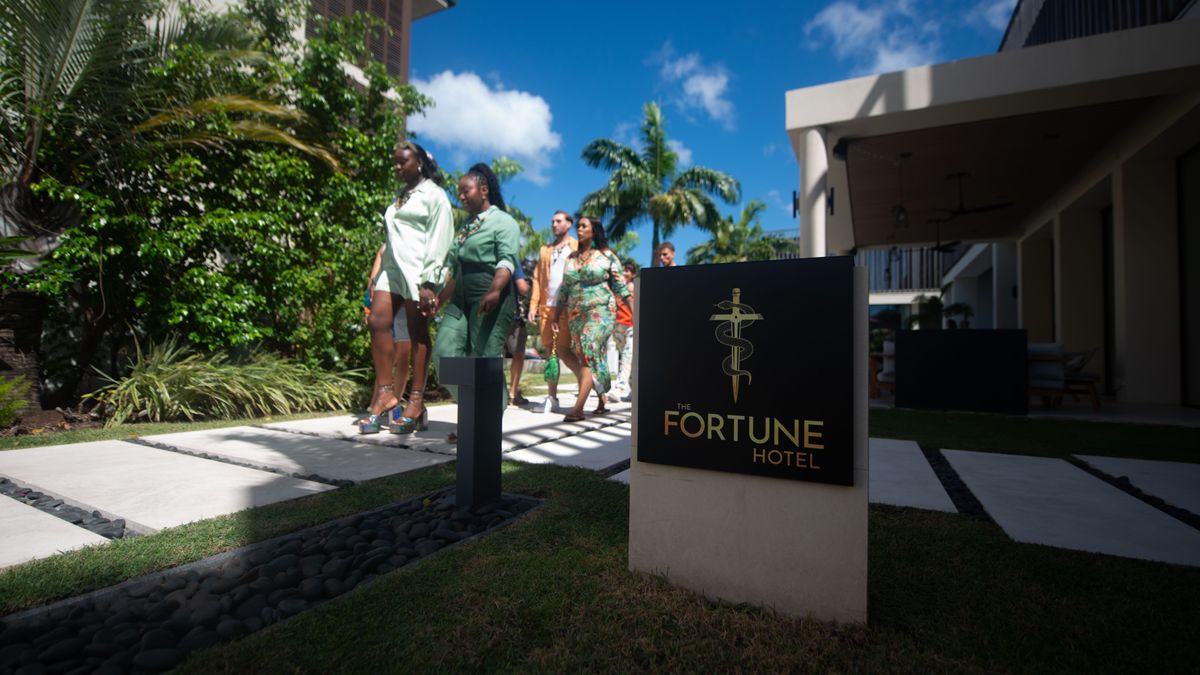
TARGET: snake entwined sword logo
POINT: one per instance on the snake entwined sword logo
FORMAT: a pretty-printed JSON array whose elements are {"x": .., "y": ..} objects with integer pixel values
[{"x": 729, "y": 333}]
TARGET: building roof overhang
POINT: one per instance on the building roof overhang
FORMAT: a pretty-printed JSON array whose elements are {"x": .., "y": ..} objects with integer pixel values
[
  {"x": 423, "y": 8},
  {"x": 1006, "y": 129}
]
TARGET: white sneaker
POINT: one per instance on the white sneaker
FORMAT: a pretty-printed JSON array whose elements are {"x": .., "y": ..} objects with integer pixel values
[
  {"x": 550, "y": 405},
  {"x": 614, "y": 396}
]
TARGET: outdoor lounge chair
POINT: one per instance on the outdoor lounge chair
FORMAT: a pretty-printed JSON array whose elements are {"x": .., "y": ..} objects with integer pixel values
[
  {"x": 886, "y": 377},
  {"x": 1079, "y": 382},
  {"x": 1047, "y": 376}
]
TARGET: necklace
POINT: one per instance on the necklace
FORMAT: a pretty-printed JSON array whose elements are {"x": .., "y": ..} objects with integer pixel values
[
  {"x": 402, "y": 199},
  {"x": 586, "y": 256},
  {"x": 557, "y": 252},
  {"x": 472, "y": 226}
]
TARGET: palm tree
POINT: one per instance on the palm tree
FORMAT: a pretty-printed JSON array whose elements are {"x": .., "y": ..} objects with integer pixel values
[
  {"x": 740, "y": 241},
  {"x": 81, "y": 68},
  {"x": 647, "y": 184}
]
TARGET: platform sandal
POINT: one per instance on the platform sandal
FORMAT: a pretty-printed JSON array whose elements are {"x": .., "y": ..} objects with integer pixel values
[
  {"x": 406, "y": 425},
  {"x": 372, "y": 424}
]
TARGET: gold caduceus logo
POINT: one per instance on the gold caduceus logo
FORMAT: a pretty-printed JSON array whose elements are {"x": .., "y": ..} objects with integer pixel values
[{"x": 729, "y": 333}]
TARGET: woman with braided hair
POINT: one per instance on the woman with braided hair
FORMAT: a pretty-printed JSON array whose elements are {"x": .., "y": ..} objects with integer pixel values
[
  {"x": 412, "y": 270},
  {"x": 478, "y": 299}
]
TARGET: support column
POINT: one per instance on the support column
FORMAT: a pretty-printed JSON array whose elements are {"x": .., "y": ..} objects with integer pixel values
[
  {"x": 1146, "y": 280},
  {"x": 1079, "y": 282},
  {"x": 1035, "y": 260},
  {"x": 1004, "y": 285},
  {"x": 814, "y": 181}
]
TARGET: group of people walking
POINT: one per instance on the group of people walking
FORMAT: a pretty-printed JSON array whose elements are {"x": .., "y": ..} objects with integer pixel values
[{"x": 580, "y": 292}]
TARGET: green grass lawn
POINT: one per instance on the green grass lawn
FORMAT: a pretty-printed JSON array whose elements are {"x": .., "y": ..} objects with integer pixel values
[
  {"x": 1043, "y": 437},
  {"x": 553, "y": 592}
]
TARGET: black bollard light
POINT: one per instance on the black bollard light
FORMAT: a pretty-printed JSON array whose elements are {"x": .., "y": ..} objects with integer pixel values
[{"x": 480, "y": 410}]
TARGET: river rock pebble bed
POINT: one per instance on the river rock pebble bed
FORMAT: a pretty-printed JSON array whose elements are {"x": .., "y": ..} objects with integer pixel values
[
  {"x": 89, "y": 520},
  {"x": 152, "y": 623}
]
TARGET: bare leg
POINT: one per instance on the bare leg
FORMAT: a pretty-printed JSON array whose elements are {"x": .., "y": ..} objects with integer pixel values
[
  {"x": 418, "y": 333},
  {"x": 382, "y": 350},
  {"x": 568, "y": 357},
  {"x": 518, "y": 365},
  {"x": 403, "y": 351},
  {"x": 585, "y": 388}
]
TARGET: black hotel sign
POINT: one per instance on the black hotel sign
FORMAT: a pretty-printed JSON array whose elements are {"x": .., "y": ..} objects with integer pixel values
[{"x": 748, "y": 368}]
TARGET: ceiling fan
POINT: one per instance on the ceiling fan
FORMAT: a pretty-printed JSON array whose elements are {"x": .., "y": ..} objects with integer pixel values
[
  {"x": 962, "y": 209},
  {"x": 939, "y": 246}
]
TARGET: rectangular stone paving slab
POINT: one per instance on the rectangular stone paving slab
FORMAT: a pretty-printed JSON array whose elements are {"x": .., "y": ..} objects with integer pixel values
[
  {"x": 622, "y": 477},
  {"x": 523, "y": 428},
  {"x": 901, "y": 476},
  {"x": 597, "y": 450},
  {"x": 301, "y": 454},
  {"x": 345, "y": 427},
  {"x": 1176, "y": 483},
  {"x": 149, "y": 488},
  {"x": 28, "y": 534},
  {"x": 1041, "y": 500}
]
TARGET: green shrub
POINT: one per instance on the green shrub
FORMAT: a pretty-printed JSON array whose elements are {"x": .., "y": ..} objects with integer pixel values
[
  {"x": 170, "y": 382},
  {"x": 12, "y": 399}
]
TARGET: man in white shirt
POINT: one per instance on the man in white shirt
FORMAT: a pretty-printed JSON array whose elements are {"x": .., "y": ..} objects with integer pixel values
[{"x": 547, "y": 277}]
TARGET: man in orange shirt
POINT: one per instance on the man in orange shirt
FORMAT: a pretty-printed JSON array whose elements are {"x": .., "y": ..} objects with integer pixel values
[
  {"x": 623, "y": 339},
  {"x": 547, "y": 277}
]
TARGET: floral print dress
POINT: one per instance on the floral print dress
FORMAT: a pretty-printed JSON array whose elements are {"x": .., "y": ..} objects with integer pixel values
[{"x": 591, "y": 283}]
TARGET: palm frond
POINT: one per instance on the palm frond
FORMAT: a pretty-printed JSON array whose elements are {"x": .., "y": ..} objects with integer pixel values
[
  {"x": 711, "y": 181},
  {"x": 607, "y": 154},
  {"x": 265, "y": 133},
  {"x": 657, "y": 154},
  {"x": 60, "y": 50},
  {"x": 230, "y": 103}
]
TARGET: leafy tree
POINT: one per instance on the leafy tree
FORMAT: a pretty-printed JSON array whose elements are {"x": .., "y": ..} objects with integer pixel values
[
  {"x": 241, "y": 211},
  {"x": 740, "y": 241},
  {"x": 648, "y": 185}
]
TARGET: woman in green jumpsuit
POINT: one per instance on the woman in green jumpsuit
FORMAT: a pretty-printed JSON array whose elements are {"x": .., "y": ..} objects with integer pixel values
[{"x": 479, "y": 302}]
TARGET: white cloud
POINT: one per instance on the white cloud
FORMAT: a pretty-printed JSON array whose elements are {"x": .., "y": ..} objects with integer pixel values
[
  {"x": 626, "y": 133},
  {"x": 684, "y": 152},
  {"x": 769, "y": 149},
  {"x": 695, "y": 85},
  {"x": 879, "y": 38},
  {"x": 993, "y": 14},
  {"x": 473, "y": 119}
]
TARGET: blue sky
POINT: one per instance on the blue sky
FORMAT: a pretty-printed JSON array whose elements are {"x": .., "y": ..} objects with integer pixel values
[{"x": 539, "y": 79}]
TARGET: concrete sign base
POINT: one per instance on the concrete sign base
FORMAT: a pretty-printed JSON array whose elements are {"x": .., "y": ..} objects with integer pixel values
[{"x": 797, "y": 547}]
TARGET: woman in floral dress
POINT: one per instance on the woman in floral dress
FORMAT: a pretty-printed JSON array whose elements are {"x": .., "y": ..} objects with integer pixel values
[{"x": 592, "y": 282}]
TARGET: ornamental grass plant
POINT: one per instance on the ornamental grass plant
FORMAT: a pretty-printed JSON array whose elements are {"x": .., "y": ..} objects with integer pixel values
[
  {"x": 13, "y": 391},
  {"x": 170, "y": 381}
]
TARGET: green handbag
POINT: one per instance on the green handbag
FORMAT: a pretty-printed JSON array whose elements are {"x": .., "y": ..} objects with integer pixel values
[{"x": 550, "y": 373}]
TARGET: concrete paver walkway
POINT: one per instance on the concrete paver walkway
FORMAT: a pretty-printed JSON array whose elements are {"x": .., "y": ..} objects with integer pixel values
[
  {"x": 1176, "y": 483},
  {"x": 149, "y": 488},
  {"x": 303, "y": 455},
  {"x": 1043, "y": 500},
  {"x": 523, "y": 427},
  {"x": 596, "y": 450},
  {"x": 29, "y": 534},
  {"x": 345, "y": 428},
  {"x": 901, "y": 476}
]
